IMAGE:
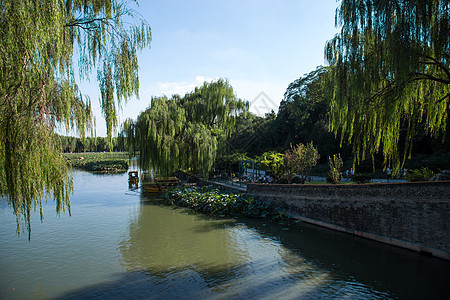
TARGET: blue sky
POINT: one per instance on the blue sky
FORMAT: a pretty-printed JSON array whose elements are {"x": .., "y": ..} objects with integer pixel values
[{"x": 259, "y": 46}]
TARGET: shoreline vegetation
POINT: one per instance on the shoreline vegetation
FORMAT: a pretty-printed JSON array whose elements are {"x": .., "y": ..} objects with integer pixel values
[
  {"x": 118, "y": 162},
  {"x": 219, "y": 203},
  {"x": 101, "y": 162}
]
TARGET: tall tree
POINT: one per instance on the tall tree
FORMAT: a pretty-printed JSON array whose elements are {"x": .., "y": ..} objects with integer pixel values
[
  {"x": 185, "y": 132},
  {"x": 253, "y": 135},
  {"x": 305, "y": 102},
  {"x": 390, "y": 65},
  {"x": 304, "y": 112},
  {"x": 299, "y": 160},
  {"x": 272, "y": 161},
  {"x": 38, "y": 92}
]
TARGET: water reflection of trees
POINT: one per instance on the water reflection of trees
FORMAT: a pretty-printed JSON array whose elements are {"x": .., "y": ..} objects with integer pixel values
[
  {"x": 164, "y": 241},
  {"x": 180, "y": 251}
]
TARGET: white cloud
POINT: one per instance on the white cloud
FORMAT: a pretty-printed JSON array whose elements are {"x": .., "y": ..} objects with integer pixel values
[
  {"x": 182, "y": 87},
  {"x": 201, "y": 79}
]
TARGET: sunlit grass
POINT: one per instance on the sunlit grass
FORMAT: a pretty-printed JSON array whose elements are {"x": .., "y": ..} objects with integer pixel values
[{"x": 95, "y": 156}]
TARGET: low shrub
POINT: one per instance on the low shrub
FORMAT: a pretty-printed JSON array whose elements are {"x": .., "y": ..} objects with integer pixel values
[
  {"x": 361, "y": 178},
  {"x": 282, "y": 181},
  {"x": 297, "y": 179},
  {"x": 422, "y": 174},
  {"x": 334, "y": 175}
]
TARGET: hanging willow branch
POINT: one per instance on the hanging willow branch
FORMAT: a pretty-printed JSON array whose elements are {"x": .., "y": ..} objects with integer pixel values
[
  {"x": 38, "y": 93},
  {"x": 390, "y": 67},
  {"x": 184, "y": 133}
]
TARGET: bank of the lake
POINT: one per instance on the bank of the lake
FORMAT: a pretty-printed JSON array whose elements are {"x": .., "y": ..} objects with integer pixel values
[{"x": 122, "y": 244}]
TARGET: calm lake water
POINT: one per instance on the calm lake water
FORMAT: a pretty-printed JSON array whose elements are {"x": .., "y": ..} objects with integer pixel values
[{"x": 119, "y": 244}]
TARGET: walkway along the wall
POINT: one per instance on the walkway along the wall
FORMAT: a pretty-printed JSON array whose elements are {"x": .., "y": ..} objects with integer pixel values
[{"x": 410, "y": 215}]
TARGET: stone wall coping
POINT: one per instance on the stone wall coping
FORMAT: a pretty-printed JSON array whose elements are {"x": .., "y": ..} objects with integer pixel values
[
  {"x": 374, "y": 184},
  {"x": 429, "y": 190}
]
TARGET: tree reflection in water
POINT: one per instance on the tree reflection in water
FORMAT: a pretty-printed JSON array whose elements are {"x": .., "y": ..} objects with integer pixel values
[{"x": 181, "y": 253}]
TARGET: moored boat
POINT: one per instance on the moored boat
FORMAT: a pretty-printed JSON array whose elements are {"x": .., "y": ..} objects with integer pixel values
[
  {"x": 161, "y": 184},
  {"x": 152, "y": 188},
  {"x": 133, "y": 177}
]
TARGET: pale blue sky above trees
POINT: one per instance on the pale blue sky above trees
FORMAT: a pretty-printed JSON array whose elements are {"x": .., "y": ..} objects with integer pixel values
[{"x": 260, "y": 46}]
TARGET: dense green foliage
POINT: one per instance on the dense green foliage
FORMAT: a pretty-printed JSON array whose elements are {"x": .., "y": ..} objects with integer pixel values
[
  {"x": 436, "y": 161},
  {"x": 185, "y": 133},
  {"x": 213, "y": 201},
  {"x": 38, "y": 92},
  {"x": 299, "y": 160},
  {"x": 336, "y": 166},
  {"x": 91, "y": 144},
  {"x": 303, "y": 110},
  {"x": 302, "y": 117},
  {"x": 361, "y": 178},
  {"x": 422, "y": 174},
  {"x": 272, "y": 161},
  {"x": 231, "y": 161},
  {"x": 390, "y": 73},
  {"x": 253, "y": 135}
]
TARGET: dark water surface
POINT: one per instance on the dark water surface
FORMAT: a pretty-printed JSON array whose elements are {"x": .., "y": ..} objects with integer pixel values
[{"x": 120, "y": 245}]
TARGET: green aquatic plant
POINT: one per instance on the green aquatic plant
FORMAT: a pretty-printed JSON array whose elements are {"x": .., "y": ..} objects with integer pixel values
[
  {"x": 216, "y": 202},
  {"x": 120, "y": 165}
]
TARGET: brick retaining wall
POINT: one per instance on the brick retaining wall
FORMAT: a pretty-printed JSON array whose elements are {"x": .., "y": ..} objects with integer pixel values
[{"x": 410, "y": 215}]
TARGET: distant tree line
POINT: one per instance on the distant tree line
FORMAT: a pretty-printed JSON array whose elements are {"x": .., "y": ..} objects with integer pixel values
[{"x": 70, "y": 144}]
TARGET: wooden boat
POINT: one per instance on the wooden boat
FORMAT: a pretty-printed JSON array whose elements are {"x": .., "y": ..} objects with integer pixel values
[
  {"x": 152, "y": 188},
  {"x": 161, "y": 184},
  {"x": 133, "y": 177}
]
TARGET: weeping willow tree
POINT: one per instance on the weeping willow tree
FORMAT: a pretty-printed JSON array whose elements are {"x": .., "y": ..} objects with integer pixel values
[
  {"x": 184, "y": 133},
  {"x": 390, "y": 70},
  {"x": 39, "y": 94}
]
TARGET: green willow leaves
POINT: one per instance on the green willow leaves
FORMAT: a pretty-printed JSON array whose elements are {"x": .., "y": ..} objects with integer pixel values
[
  {"x": 184, "y": 133},
  {"x": 390, "y": 70},
  {"x": 39, "y": 40}
]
